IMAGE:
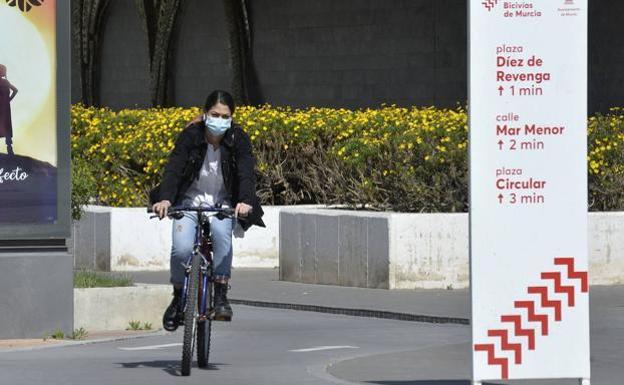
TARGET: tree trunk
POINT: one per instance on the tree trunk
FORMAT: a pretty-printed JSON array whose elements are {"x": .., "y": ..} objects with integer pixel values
[
  {"x": 239, "y": 32},
  {"x": 87, "y": 18},
  {"x": 159, "y": 18}
]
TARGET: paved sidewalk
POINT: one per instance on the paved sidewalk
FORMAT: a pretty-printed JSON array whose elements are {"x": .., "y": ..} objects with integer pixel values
[
  {"x": 606, "y": 302},
  {"x": 263, "y": 285}
]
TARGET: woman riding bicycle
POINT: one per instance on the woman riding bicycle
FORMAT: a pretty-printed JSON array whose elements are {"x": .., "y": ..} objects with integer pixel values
[{"x": 211, "y": 164}]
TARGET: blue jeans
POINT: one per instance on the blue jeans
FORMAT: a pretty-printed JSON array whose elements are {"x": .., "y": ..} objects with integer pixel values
[{"x": 184, "y": 240}]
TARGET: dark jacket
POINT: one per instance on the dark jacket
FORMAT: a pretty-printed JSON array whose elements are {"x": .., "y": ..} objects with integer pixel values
[{"x": 237, "y": 165}]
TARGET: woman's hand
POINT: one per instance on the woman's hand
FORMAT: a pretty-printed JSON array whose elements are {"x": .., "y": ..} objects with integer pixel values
[
  {"x": 13, "y": 93},
  {"x": 161, "y": 208},
  {"x": 242, "y": 210}
]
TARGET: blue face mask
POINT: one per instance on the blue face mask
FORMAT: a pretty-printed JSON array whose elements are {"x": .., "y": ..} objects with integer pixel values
[{"x": 217, "y": 126}]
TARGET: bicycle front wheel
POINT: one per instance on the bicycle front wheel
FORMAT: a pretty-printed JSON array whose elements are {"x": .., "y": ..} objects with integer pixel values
[
  {"x": 204, "y": 327},
  {"x": 203, "y": 342},
  {"x": 190, "y": 316}
]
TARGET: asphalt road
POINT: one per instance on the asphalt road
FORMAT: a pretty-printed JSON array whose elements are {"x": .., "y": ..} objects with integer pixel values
[
  {"x": 261, "y": 346},
  {"x": 270, "y": 346}
]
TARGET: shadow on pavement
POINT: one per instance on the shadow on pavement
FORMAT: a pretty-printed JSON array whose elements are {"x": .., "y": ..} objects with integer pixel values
[
  {"x": 171, "y": 367},
  {"x": 427, "y": 382}
]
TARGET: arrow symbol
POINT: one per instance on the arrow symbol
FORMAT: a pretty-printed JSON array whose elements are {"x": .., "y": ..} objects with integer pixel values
[
  {"x": 500, "y": 90},
  {"x": 500, "y": 144},
  {"x": 500, "y": 198}
]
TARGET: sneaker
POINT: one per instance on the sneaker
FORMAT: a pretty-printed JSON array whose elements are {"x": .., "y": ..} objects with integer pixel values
[
  {"x": 173, "y": 314},
  {"x": 222, "y": 308}
]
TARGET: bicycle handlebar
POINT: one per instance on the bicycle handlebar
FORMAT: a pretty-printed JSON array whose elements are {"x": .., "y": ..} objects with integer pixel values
[{"x": 197, "y": 209}]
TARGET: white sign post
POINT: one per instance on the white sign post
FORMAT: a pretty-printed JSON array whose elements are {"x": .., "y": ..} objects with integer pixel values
[{"x": 528, "y": 189}]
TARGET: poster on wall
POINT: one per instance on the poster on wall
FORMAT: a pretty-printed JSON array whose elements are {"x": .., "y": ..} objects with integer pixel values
[
  {"x": 528, "y": 189},
  {"x": 28, "y": 112}
]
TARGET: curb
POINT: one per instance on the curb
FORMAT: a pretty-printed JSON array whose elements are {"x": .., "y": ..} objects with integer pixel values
[
  {"x": 354, "y": 312},
  {"x": 64, "y": 344}
]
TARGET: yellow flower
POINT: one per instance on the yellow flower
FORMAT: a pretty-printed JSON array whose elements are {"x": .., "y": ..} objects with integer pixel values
[{"x": 139, "y": 141}]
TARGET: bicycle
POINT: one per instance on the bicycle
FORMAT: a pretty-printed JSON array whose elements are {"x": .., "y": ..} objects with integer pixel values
[{"x": 198, "y": 291}]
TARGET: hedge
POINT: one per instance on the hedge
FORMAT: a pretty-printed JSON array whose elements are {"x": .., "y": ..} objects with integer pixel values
[{"x": 389, "y": 158}]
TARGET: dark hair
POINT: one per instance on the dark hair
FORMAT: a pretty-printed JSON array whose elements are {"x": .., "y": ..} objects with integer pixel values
[{"x": 222, "y": 97}]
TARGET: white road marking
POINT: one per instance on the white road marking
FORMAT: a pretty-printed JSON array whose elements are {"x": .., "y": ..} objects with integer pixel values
[
  {"x": 319, "y": 348},
  {"x": 152, "y": 347}
]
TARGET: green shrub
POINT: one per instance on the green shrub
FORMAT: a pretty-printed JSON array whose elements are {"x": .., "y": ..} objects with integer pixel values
[
  {"x": 87, "y": 279},
  {"x": 390, "y": 158},
  {"x": 79, "y": 334},
  {"x": 137, "y": 325},
  {"x": 83, "y": 185},
  {"x": 606, "y": 161}
]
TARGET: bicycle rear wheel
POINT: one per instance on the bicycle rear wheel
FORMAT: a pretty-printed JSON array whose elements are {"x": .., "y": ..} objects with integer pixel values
[{"x": 190, "y": 316}]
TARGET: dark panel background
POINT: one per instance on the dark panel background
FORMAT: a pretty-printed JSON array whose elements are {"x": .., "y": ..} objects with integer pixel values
[
  {"x": 339, "y": 53},
  {"x": 125, "y": 58},
  {"x": 200, "y": 56},
  {"x": 354, "y": 53},
  {"x": 606, "y": 54}
]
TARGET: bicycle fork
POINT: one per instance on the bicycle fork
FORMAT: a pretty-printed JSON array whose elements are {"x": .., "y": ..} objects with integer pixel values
[
  {"x": 204, "y": 279},
  {"x": 204, "y": 294}
]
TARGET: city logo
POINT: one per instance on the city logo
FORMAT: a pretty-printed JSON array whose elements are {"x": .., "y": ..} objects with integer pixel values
[
  {"x": 490, "y": 4},
  {"x": 25, "y": 5}
]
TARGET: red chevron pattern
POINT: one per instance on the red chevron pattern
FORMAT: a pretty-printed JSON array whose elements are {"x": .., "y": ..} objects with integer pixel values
[
  {"x": 490, "y": 4},
  {"x": 572, "y": 274},
  {"x": 505, "y": 345},
  {"x": 545, "y": 300},
  {"x": 559, "y": 288},
  {"x": 532, "y": 315},
  {"x": 492, "y": 359},
  {"x": 519, "y": 331}
]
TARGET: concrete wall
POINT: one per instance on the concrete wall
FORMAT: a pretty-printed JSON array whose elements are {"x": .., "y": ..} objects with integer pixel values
[
  {"x": 107, "y": 308},
  {"x": 606, "y": 248},
  {"x": 125, "y": 239},
  {"x": 37, "y": 296},
  {"x": 429, "y": 250},
  {"x": 329, "y": 247},
  {"x": 404, "y": 251}
]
